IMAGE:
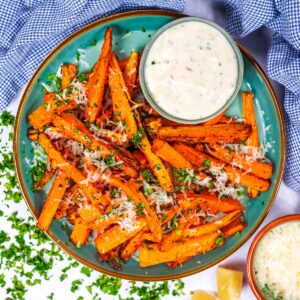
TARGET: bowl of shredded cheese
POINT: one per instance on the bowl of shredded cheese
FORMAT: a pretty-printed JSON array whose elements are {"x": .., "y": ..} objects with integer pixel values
[{"x": 273, "y": 263}]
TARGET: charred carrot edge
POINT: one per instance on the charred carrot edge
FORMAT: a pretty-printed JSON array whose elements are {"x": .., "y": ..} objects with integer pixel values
[
  {"x": 80, "y": 233},
  {"x": 52, "y": 202},
  {"x": 148, "y": 109},
  {"x": 98, "y": 78},
  {"x": 257, "y": 168},
  {"x": 198, "y": 231},
  {"x": 68, "y": 73},
  {"x": 235, "y": 175},
  {"x": 121, "y": 97},
  {"x": 131, "y": 70},
  {"x": 219, "y": 133},
  {"x": 44, "y": 114},
  {"x": 116, "y": 235},
  {"x": 155, "y": 162},
  {"x": 132, "y": 245},
  {"x": 74, "y": 128},
  {"x": 170, "y": 155},
  {"x": 151, "y": 255},
  {"x": 88, "y": 189}
]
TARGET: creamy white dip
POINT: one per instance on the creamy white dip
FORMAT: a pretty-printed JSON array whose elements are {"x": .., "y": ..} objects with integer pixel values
[
  {"x": 276, "y": 263},
  {"x": 191, "y": 70}
]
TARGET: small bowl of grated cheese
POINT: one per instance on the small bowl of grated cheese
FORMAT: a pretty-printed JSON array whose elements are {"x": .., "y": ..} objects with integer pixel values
[{"x": 273, "y": 262}]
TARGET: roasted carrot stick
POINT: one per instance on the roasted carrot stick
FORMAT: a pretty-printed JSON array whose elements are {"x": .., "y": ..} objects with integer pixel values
[
  {"x": 52, "y": 202},
  {"x": 68, "y": 72},
  {"x": 44, "y": 114},
  {"x": 131, "y": 70},
  {"x": 197, "y": 231},
  {"x": 87, "y": 188},
  {"x": 74, "y": 128},
  {"x": 131, "y": 190},
  {"x": 249, "y": 116},
  {"x": 170, "y": 155},
  {"x": 116, "y": 236},
  {"x": 98, "y": 78},
  {"x": 253, "y": 140},
  {"x": 235, "y": 175},
  {"x": 121, "y": 97},
  {"x": 220, "y": 133},
  {"x": 155, "y": 162},
  {"x": 80, "y": 233},
  {"x": 209, "y": 202},
  {"x": 151, "y": 255},
  {"x": 257, "y": 168}
]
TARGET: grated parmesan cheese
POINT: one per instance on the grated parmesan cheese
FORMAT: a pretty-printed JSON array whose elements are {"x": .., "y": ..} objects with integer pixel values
[{"x": 277, "y": 261}]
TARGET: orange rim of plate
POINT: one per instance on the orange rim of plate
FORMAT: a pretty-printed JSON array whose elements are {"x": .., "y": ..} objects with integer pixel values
[
  {"x": 250, "y": 257},
  {"x": 98, "y": 268}
]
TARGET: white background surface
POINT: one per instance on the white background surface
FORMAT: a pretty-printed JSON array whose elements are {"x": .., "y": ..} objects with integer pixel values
[{"x": 287, "y": 201}]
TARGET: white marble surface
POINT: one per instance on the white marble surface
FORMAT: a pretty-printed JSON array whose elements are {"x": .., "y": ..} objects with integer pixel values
[{"x": 287, "y": 201}]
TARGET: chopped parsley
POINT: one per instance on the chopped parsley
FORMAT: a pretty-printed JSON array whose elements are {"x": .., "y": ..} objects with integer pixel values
[
  {"x": 82, "y": 78},
  {"x": 136, "y": 139},
  {"x": 207, "y": 163},
  {"x": 140, "y": 209}
]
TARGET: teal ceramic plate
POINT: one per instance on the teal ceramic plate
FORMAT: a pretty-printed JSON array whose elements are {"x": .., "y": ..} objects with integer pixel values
[{"x": 132, "y": 31}]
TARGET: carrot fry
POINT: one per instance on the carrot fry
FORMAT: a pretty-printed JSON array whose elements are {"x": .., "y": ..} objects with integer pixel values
[
  {"x": 52, "y": 202},
  {"x": 80, "y": 233},
  {"x": 87, "y": 188},
  {"x": 148, "y": 109},
  {"x": 257, "y": 168},
  {"x": 235, "y": 175},
  {"x": 74, "y": 128},
  {"x": 170, "y": 155},
  {"x": 151, "y": 255},
  {"x": 249, "y": 116},
  {"x": 98, "y": 78},
  {"x": 131, "y": 190},
  {"x": 155, "y": 162},
  {"x": 130, "y": 71},
  {"x": 234, "y": 227},
  {"x": 116, "y": 236},
  {"x": 68, "y": 72},
  {"x": 225, "y": 133},
  {"x": 197, "y": 231},
  {"x": 121, "y": 97}
]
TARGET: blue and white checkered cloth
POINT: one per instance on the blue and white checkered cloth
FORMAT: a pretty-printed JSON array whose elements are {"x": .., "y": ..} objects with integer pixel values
[{"x": 29, "y": 29}]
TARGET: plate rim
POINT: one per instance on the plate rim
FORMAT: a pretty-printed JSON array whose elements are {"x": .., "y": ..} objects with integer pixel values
[{"x": 63, "y": 246}]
